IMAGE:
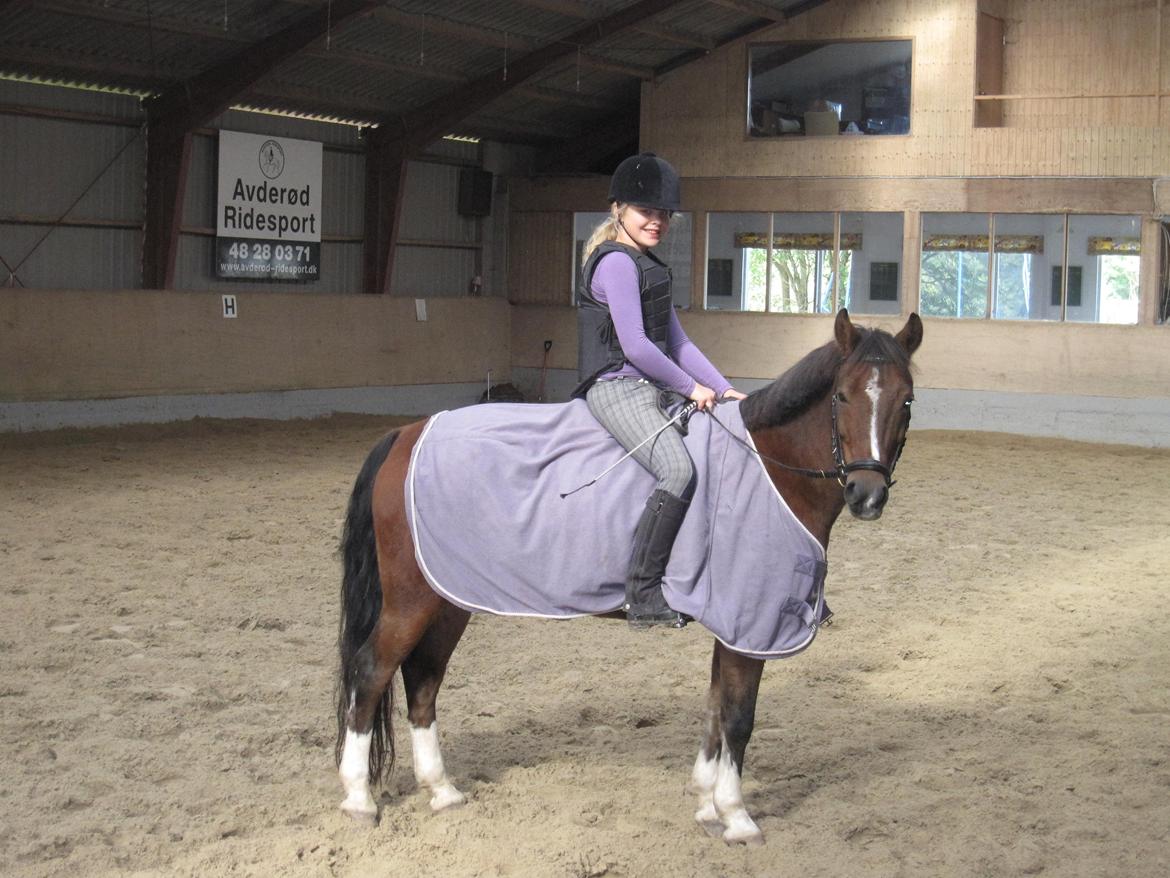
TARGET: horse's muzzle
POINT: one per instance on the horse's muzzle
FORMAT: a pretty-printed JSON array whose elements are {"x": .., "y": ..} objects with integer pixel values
[{"x": 866, "y": 495}]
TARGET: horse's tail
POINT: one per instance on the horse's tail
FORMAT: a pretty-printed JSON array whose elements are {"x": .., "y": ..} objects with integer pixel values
[{"x": 361, "y": 604}]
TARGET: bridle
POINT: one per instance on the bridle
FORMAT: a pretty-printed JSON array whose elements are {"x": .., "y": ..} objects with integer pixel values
[{"x": 842, "y": 467}]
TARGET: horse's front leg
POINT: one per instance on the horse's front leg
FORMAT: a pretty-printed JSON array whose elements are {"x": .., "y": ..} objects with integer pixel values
[
  {"x": 735, "y": 682},
  {"x": 706, "y": 770}
]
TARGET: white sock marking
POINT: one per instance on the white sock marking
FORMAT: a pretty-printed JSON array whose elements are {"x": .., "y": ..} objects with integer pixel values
[
  {"x": 355, "y": 773},
  {"x": 729, "y": 803},
  {"x": 874, "y": 391},
  {"x": 428, "y": 767}
]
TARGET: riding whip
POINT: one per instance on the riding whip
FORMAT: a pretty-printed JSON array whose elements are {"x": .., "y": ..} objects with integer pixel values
[{"x": 685, "y": 411}]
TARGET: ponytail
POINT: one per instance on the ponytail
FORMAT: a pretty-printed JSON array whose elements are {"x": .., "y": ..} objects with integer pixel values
[{"x": 607, "y": 230}]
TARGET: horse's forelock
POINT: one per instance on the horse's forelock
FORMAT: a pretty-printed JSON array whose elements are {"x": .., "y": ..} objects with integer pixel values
[{"x": 878, "y": 346}]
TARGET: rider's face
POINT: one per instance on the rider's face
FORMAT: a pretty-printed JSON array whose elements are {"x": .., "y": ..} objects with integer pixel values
[{"x": 642, "y": 227}]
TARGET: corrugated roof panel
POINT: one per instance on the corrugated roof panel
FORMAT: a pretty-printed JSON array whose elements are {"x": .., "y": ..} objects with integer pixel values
[
  {"x": 709, "y": 19},
  {"x": 417, "y": 51},
  {"x": 409, "y": 48},
  {"x": 239, "y": 19},
  {"x": 521, "y": 21}
]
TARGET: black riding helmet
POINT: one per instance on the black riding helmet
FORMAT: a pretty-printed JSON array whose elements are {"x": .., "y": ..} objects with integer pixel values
[{"x": 645, "y": 180}]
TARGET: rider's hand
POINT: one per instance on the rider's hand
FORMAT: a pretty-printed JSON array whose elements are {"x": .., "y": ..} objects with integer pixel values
[
  {"x": 732, "y": 393},
  {"x": 704, "y": 396}
]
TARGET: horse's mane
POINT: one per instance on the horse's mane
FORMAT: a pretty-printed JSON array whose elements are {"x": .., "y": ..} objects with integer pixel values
[{"x": 812, "y": 378}]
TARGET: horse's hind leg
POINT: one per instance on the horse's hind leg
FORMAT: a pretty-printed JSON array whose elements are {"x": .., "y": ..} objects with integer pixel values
[
  {"x": 422, "y": 674},
  {"x": 366, "y": 718}
]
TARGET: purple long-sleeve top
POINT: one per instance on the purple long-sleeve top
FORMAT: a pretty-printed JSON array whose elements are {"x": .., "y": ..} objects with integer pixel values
[{"x": 615, "y": 283}]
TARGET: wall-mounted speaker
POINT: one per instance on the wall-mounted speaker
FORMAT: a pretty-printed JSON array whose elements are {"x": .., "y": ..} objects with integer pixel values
[{"x": 475, "y": 192}]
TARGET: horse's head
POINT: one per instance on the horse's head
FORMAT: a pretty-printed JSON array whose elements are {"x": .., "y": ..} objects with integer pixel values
[{"x": 871, "y": 409}]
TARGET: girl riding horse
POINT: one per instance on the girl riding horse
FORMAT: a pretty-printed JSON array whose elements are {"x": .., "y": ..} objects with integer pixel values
[{"x": 631, "y": 347}]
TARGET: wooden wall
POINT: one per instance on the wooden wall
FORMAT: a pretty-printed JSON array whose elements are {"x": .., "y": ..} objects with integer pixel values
[
  {"x": 79, "y": 344},
  {"x": 540, "y": 255},
  {"x": 695, "y": 116}
]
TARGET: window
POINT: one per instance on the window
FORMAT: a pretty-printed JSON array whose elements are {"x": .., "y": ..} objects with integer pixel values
[
  {"x": 829, "y": 88},
  {"x": 871, "y": 262},
  {"x": 674, "y": 250},
  {"x": 1045, "y": 267},
  {"x": 729, "y": 283},
  {"x": 787, "y": 263},
  {"x": 800, "y": 264},
  {"x": 1109, "y": 249},
  {"x": 1029, "y": 254},
  {"x": 953, "y": 278}
]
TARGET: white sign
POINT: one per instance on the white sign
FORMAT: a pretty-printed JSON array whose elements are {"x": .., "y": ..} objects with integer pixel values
[{"x": 269, "y": 209}]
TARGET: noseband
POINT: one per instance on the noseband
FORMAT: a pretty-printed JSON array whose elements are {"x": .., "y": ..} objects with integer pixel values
[{"x": 844, "y": 469}]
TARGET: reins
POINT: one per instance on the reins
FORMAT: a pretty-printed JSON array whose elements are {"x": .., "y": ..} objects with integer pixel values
[
  {"x": 840, "y": 472},
  {"x": 799, "y": 470},
  {"x": 842, "y": 469}
]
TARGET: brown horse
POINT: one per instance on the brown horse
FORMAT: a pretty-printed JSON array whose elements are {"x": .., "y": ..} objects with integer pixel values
[{"x": 830, "y": 431}]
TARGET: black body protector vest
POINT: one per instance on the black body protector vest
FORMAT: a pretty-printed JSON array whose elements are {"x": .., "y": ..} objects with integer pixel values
[{"x": 598, "y": 348}]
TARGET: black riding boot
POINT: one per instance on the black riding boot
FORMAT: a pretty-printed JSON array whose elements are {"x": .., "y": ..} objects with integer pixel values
[{"x": 645, "y": 606}]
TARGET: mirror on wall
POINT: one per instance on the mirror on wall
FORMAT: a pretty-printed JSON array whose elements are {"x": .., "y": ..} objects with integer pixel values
[{"x": 821, "y": 88}]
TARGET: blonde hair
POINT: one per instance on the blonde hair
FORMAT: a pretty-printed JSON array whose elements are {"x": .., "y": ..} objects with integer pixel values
[{"x": 607, "y": 230}]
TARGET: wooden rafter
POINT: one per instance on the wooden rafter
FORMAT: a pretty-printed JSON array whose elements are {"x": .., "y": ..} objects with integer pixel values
[{"x": 399, "y": 138}]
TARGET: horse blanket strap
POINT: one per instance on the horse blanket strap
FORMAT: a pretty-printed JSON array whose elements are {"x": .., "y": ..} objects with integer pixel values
[{"x": 492, "y": 533}]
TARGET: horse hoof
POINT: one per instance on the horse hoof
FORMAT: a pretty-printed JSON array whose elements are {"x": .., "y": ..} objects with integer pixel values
[
  {"x": 749, "y": 837},
  {"x": 446, "y": 799}
]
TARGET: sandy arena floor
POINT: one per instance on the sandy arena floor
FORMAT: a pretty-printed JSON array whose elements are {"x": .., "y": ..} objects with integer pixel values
[{"x": 993, "y": 699}]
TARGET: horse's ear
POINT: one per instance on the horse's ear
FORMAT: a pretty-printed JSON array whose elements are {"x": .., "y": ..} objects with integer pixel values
[
  {"x": 844, "y": 332},
  {"x": 910, "y": 337}
]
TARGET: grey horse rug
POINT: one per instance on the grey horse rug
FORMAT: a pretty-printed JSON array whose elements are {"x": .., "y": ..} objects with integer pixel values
[{"x": 493, "y": 534}]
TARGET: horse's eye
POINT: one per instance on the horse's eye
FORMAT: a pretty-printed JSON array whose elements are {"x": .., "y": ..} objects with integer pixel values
[
  {"x": 908, "y": 402},
  {"x": 841, "y": 397}
]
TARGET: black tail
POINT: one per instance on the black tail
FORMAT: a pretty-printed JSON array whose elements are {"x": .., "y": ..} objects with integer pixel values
[{"x": 361, "y": 604}]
